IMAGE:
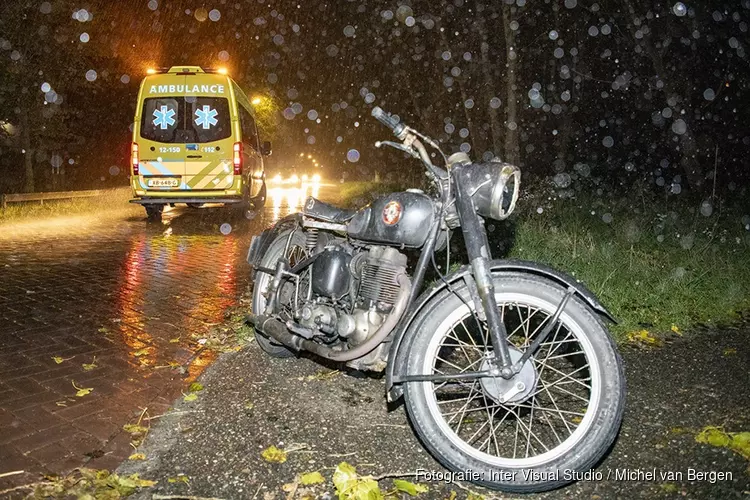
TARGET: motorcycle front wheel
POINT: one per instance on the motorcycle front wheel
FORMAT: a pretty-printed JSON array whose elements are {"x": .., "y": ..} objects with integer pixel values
[{"x": 540, "y": 430}]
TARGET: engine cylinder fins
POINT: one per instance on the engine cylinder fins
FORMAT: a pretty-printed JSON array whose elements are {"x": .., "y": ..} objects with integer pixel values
[{"x": 379, "y": 279}]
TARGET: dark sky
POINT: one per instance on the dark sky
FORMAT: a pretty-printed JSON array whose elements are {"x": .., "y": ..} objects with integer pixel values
[{"x": 616, "y": 91}]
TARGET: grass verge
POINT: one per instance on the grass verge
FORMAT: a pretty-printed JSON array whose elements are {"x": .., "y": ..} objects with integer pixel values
[
  {"x": 656, "y": 267},
  {"x": 113, "y": 199}
]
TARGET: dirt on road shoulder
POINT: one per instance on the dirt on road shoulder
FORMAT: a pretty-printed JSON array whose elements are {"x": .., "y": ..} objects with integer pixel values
[{"x": 213, "y": 445}]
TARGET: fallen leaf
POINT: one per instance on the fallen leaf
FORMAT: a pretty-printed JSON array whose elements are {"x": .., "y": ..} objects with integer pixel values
[
  {"x": 58, "y": 359},
  {"x": 273, "y": 454},
  {"x": 350, "y": 486},
  {"x": 323, "y": 375},
  {"x": 730, "y": 351},
  {"x": 676, "y": 330},
  {"x": 104, "y": 329},
  {"x": 311, "y": 478},
  {"x": 141, "y": 352},
  {"x": 249, "y": 405},
  {"x": 135, "y": 429},
  {"x": 738, "y": 442},
  {"x": 137, "y": 456},
  {"x": 409, "y": 488},
  {"x": 89, "y": 366},
  {"x": 195, "y": 387},
  {"x": 179, "y": 479},
  {"x": 190, "y": 397},
  {"x": 82, "y": 391},
  {"x": 174, "y": 340}
]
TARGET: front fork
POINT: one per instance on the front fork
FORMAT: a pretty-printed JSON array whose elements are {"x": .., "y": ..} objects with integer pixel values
[{"x": 477, "y": 248}]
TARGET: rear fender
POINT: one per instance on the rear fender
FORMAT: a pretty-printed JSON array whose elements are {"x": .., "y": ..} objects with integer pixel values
[
  {"x": 260, "y": 243},
  {"x": 397, "y": 351}
]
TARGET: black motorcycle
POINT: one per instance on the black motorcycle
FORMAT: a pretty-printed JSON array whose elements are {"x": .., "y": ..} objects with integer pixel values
[{"x": 506, "y": 366}]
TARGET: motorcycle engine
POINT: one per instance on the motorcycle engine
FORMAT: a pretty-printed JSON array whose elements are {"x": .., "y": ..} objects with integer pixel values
[{"x": 354, "y": 292}]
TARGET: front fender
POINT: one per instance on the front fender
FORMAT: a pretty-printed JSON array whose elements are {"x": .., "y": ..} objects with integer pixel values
[
  {"x": 396, "y": 356},
  {"x": 260, "y": 242}
]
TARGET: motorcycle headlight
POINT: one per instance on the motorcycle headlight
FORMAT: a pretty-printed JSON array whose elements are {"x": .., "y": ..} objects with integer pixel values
[{"x": 495, "y": 186}]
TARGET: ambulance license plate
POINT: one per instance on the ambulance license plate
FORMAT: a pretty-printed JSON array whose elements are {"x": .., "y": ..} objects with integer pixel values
[{"x": 164, "y": 182}]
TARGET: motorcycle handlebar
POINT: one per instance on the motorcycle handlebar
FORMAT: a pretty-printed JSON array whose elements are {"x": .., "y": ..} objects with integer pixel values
[{"x": 387, "y": 120}]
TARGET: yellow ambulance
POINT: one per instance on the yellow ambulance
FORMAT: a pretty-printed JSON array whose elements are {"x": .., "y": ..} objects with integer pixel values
[{"x": 195, "y": 141}]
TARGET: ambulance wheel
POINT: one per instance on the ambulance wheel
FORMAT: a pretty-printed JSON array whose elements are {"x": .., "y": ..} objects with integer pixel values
[{"x": 153, "y": 212}]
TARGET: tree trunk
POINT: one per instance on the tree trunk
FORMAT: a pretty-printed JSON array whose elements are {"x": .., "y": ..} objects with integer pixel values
[
  {"x": 511, "y": 105},
  {"x": 28, "y": 154},
  {"x": 489, "y": 85}
]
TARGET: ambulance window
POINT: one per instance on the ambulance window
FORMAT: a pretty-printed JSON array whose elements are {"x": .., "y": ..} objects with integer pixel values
[
  {"x": 160, "y": 119},
  {"x": 249, "y": 134},
  {"x": 180, "y": 120}
]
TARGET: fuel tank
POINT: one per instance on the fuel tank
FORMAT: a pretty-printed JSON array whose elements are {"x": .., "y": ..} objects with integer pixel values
[{"x": 396, "y": 219}]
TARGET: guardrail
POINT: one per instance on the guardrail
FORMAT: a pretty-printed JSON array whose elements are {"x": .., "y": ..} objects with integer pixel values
[{"x": 42, "y": 197}]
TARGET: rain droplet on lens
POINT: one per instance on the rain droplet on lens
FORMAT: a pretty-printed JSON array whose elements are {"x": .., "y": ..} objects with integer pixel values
[
  {"x": 46, "y": 87},
  {"x": 469, "y": 103},
  {"x": 312, "y": 114},
  {"x": 45, "y": 7},
  {"x": 114, "y": 170},
  {"x": 495, "y": 102},
  {"x": 349, "y": 31},
  {"x": 352, "y": 155},
  {"x": 91, "y": 75},
  {"x": 608, "y": 141},
  {"x": 679, "y": 9},
  {"x": 224, "y": 55},
  {"x": 125, "y": 78},
  {"x": 84, "y": 37},
  {"x": 709, "y": 94},
  {"x": 225, "y": 228},
  {"x": 679, "y": 126},
  {"x": 214, "y": 15},
  {"x": 607, "y": 218},
  {"x": 553, "y": 35},
  {"x": 707, "y": 208},
  {"x": 153, "y": 4}
]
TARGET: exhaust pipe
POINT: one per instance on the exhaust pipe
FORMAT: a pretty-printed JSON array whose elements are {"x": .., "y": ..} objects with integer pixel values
[{"x": 278, "y": 331}]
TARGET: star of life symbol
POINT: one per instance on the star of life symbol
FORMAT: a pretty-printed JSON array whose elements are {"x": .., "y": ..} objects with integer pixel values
[
  {"x": 163, "y": 117},
  {"x": 206, "y": 117}
]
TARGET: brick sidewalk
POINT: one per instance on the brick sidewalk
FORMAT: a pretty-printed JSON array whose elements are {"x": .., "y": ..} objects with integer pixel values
[{"x": 116, "y": 295}]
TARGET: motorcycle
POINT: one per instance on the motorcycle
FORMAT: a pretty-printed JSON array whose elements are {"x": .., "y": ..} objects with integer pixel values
[{"x": 506, "y": 367}]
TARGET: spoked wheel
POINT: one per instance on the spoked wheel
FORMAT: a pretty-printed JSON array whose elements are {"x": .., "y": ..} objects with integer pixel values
[
  {"x": 559, "y": 414},
  {"x": 294, "y": 251}
]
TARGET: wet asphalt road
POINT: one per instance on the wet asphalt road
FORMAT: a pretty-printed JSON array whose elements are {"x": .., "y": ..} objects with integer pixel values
[
  {"x": 129, "y": 299},
  {"x": 251, "y": 402}
]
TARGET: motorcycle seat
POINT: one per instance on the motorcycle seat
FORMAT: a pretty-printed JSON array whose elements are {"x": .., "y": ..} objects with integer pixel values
[{"x": 326, "y": 212}]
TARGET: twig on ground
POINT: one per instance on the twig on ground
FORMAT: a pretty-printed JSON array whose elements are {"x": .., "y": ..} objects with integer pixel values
[
  {"x": 29, "y": 486},
  {"x": 393, "y": 474},
  {"x": 12, "y": 473},
  {"x": 181, "y": 497},
  {"x": 340, "y": 455},
  {"x": 257, "y": 491},
  {"x": 169, "y": 414}
]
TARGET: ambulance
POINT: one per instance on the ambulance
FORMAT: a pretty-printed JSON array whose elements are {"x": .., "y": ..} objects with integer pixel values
[{"x": 195, "y": 141}]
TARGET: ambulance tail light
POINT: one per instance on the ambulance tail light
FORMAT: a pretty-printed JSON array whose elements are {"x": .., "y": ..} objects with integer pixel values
[
  {"x": 134, "y": 158},
  {"x": 237, "y": 158}
]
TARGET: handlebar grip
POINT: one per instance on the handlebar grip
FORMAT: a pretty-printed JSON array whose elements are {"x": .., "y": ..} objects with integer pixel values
[{"x": 385, "y": 118}]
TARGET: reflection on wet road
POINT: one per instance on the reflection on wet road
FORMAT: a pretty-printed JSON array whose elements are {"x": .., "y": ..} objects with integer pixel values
[{"x": 134, "y": 299}]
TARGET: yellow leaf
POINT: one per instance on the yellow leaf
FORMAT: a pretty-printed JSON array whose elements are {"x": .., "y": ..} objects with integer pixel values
[
  {"x": 676, "y": 330},
  {"x": 408, "y": 487},
  {"x": 311, "y": 478},
  {"x": 141, "y": 352},
  {"x": 644, "y": 337},
  {"x": 195, "y": 387},
  {"x": 58, "y": 359},
  {"x": 190, "y": 397},
  {"x": 350, "y": 486},
  {"x": 273, "y": 454},
  {"x": 179, "y": 479},
  {"x": 137, "y": 456},
  {"x": 174, "y": 340},
  {"x": 104, "y": 329},
  {"x": 738, "y": 442},
  {"x": 730, "y": 351},
  {"x": 89, "y": 366},
  {"x": 249, "y": 405},
  {"x": 82, "y": 391},
  {"x": 134, "y": 429}
]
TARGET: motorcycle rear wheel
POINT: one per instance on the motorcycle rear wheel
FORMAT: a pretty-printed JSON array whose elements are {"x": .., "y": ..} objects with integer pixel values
[
  {"x": 294, "y": 253},
  {"x": 564, "y": 421}
]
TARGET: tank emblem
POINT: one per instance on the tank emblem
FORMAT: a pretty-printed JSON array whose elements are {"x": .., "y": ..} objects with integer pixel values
[{"x": 392, "y": 212}]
